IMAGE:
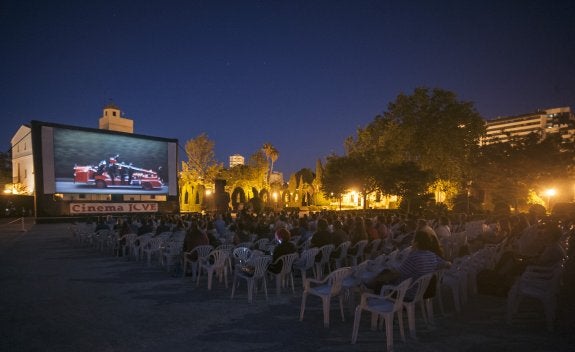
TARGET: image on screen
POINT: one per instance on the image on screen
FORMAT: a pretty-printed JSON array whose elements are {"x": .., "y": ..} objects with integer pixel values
[{"x": 95, "y": 162}]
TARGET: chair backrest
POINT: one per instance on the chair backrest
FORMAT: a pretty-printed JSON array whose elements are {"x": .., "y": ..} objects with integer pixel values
[
  {"x": 326, "y": 252},
  {"x": 260, "y": 265},
  {"x": 203, "y": 251},
  {"x": 287, "y": 262},
  {"x": 375, "y": 246},
  {"x": 343, "y": 248},
  {"x": 229, "y": 247},
  {"x": 418, "y": 287},
  {"x": 261, "y": 243},
  {"x": 219, "y": 256},
  {"x": 360, "y": 246},
  {"x": 397, "y": 293},
  {"x": 242, "y": 253},
  {"x": 155, "y": 243},
  {"x": 308, "y": 257},
  {"x": 245, "y": 245},
  {"x": 335, "y": 279}
]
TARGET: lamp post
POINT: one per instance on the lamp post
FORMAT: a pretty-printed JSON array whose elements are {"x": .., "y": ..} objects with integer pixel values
[{"x": 551, "y": 192}]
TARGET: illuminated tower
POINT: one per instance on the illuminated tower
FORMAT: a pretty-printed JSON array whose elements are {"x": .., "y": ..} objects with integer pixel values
[{"x": 113, "y": 121}]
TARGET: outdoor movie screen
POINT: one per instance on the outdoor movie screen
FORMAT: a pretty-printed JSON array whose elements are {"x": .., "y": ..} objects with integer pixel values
[{"x": 92, "y": 161}]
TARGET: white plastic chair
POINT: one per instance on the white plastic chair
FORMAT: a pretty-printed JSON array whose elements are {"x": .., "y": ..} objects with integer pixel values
[
  {"x": 385, "y": 305},
  {"x": 260, "y": 265},
  {"x": 216, "y": 262},
  {"x": 170, "y": 253},
  {"x": 324, "y": 262},
  {"x": 340, "y": 260},
  {"x": 429, "y": 301},
  {"x": 357, "y": 252},
  {"x": 326, "y": 289},
  {"x": 538, "y": 282},
  {"x": 152, "y": 248},
  {"x": 419, "y": 286},
  {"x": 286, "y": 273},
  {"x": 201, "y": 253},
  {"x": 306, "y": 262}
]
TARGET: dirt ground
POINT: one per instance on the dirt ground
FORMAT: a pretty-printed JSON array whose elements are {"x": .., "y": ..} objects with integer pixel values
[{"x": 58, "y": 296}]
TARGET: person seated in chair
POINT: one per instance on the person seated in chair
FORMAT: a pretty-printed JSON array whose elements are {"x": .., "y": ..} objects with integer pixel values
[{"x": 284, "y": 247}]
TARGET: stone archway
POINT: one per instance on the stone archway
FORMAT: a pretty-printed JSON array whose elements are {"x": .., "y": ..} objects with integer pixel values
[
  {"x": 265, "y": 196},
  {"x": 238, "y": 197}
]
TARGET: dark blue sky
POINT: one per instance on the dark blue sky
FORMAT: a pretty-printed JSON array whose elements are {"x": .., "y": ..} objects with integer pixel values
[{"x": 302, "y": 75}]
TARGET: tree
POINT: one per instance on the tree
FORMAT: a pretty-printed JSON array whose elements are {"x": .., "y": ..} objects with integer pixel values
[
  {"x": 201, "y": 165},
  {"x": 406, "y": 180},
  {"x": 430, "y": 128},
  {"x": 508, "y": 171},
  {"x": 5, "y": 169},
  {"x": 353, "y": 171},
  {"x": 272, "y": 155}
]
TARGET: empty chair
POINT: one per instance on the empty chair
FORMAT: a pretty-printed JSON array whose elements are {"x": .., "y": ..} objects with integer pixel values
[
  {"x": 326, "y": 289},
  {"x": 259, "y": 266},
  {"x": 216, "y": 262},
  {"x": 240, "y": 255},
  {"x": 341, "y": 255},
  {"x": 139, "y": 244},
  {"x": 171, "y": 253},
  {"x": 192, "y": 258},
  {"x": 356, "y": 252},
  {"x": 323, "y": 263},
  {"x": 386, "y": 306},
  {"x": 306, "y": 262},
  {"x": 152, "y": 248},
  {"x": 540, "y": 283},
  {"x": 413, "y": 297},
  {"x": 285, "y": 273}
]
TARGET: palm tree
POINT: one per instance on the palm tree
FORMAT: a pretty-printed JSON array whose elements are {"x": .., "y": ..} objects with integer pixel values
[{"x": 272, "y": 154}]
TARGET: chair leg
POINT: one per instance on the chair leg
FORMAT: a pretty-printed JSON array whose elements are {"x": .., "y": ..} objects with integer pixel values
[
  {"x": 234, "y": 287},
  {"x": 411, "y": 319},
  {"x": 389, "y": 332},
  {"x": 356, "y": 320},
  {"x": 341, "y": 307},
  {"x": 401, "y": 330},
  {"x": 303, "y": 299},
  {"x": 326, "y": 305}
]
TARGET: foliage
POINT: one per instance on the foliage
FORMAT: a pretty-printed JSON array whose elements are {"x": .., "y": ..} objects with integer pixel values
[
  {"x": 429, "y": 127},
  {"x": 407, "y": 180},
  {"x": 272, "y": 154},
  {"x": 353, "y": 171},
  {"x": 5, "y": 169},
  {"x": 508, "y": 171},
  {"x": 201, "y": 164}
]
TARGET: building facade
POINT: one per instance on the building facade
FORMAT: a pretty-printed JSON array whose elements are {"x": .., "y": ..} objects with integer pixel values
[
  {"x": 112, "y": 120},
  {"x": 22, "y": 163},
  {"x": 236, "y": 159},
  {"x": 543, "y": 123}
]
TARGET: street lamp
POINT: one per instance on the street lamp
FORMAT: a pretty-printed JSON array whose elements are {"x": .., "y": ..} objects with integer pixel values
[{"x": 551, "y": 192}]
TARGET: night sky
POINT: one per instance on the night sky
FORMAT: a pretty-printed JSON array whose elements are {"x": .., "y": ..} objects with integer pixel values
[{"x": 302, "y": 75}]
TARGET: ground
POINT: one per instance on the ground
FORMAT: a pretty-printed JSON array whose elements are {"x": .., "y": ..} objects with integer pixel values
[{"x": 58, "y": 296}]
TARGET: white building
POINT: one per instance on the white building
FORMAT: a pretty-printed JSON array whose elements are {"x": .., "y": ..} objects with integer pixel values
[
  {"x": 542, "y": 123},
  {"x": 236, "y": 159},
  {"x": 22, "y": 163}
]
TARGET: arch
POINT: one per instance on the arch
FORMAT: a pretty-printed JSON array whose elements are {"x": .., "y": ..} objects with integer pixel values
[
  {"x": 238, "y": 197},
  {"x": 265, "y": 196},
  {"x": 286, "y": 197}
]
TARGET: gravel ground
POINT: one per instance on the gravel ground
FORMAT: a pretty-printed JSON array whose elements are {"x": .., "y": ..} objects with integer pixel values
[{"x": 58, "y": 296}]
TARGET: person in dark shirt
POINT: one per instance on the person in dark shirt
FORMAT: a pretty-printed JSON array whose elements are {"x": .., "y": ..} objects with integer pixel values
[{"x": 284, "y": 247}]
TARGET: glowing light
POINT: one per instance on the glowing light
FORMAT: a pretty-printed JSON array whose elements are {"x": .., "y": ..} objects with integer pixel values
[
  {"x": 551, "y": 192},
  {"x": 208, "y": 192}
]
